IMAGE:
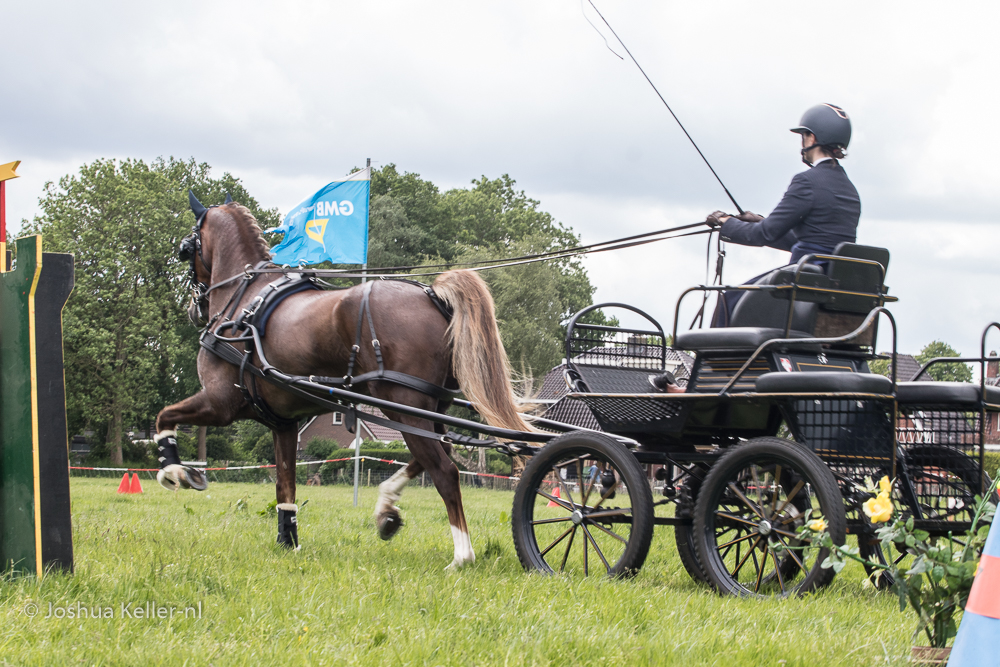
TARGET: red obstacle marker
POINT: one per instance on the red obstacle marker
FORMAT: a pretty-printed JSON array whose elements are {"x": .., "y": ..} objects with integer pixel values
[
  {"x": 135, "y": 487},
  {"x": 552, "y": 503},
  {"x": 123, "y": 487}
]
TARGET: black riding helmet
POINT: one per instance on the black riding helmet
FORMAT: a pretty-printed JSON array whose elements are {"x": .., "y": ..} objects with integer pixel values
[{"x": 828, "y": 123}]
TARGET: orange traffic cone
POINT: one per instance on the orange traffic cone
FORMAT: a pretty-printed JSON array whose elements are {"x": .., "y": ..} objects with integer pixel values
[
  {"x": 123, "y": 487},
  {"x": 135, "y": 487},
  {"x": 552, "y": 503}
]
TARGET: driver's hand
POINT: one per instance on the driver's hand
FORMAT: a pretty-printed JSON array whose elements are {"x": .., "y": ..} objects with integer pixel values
[
  {"x": 749, "y": 216},
  {"x": 715, "y": 220}
]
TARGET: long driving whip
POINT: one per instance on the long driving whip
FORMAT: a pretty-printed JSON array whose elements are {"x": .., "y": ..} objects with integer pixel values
[{"x": 683, "y": 129}]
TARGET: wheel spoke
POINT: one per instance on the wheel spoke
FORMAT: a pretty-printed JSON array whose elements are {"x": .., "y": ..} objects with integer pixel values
[
  {"x": 733, "y": 517},
  {"x": 558, "y": 540},
  {"x": 794, "y": 556},
  {"x": 746, "y": 501},
  {"x": 795, "y": 490},
  {"x": 569, "y": 545},
  {"x": 756, "y": 483},
  {"x": 557, "y": 500},
  {"x": 593, "y": 543},
  {"x": 777, "y": 569},
  {"x": 760, "y": 570},
  {"x": 738, "y": 539},
  {"x": 565, "y": 489},
  {"x": 783, "y": 532},
  {"x": 750, "y": 552},
  {"x": 556, "y": 520},
  {"x": 610, "y": 532},
  {"x": 608, "y": 492},
  {"x": 584, "y": 487},
  {"x": 777, "y": 485}
]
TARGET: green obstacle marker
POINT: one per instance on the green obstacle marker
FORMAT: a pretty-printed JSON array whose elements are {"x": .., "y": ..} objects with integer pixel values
[{"x": 35, "y": 525}]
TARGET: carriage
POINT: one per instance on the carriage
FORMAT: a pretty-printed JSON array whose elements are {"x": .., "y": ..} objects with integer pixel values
[
  {"x": 795, "y": 364},
  {"x": 781, "y": 418}
]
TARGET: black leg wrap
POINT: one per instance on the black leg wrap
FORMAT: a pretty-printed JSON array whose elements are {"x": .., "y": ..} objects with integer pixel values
[
  {"x": 288, "y": 529},
  {"x": 166, "y": 451}
]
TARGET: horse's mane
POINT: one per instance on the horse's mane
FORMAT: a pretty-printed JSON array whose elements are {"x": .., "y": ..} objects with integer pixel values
[{"x": 249, "y": 226}]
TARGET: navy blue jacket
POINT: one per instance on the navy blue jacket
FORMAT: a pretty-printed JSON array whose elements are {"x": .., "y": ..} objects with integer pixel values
[{"x": 820, "y": 209}]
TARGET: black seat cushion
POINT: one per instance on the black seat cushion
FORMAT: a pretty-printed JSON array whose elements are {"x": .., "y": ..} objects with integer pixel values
[
  {"x": 944, "y": 393},
  {"x": 823, "y": 382},
  {"x": 730, "y": 338}
]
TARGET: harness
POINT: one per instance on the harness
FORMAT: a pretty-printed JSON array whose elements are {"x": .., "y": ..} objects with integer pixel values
[{"x": 250, "y": 327}]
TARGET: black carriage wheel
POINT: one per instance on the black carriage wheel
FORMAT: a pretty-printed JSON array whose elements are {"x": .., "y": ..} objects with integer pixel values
[
  {"x": 754, "y": 497},
  {"x": 600, "y": 521},
  {"x": 684, "y": 535},
  {"x": 945, "y": 483}
]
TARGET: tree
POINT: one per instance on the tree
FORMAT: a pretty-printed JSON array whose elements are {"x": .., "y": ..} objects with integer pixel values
[
  {"x": 129, "y": 348},
  {"x": 944, "y": 372}
]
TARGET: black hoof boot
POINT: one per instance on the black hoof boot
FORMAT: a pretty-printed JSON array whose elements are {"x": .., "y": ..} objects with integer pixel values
[
  {"x": 389, "y": 524},
  {"x": 172, "y": 475},
  {"x": 288, "y": 527}
]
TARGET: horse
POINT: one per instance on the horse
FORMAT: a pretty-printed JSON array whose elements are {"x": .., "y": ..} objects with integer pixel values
[{"x": 312, "y": 333}]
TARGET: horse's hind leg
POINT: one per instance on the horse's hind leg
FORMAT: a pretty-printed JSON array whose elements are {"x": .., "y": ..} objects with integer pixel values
[
  {"x": 387, "y": 517},
  {"x": 432, "y": 456},
  {"x": 285, "y": 443}
]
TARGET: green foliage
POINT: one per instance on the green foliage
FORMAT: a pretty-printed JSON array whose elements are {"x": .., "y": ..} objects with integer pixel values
[
  {"x": 128, "y": 346},
  {"x": 413, "y": 223},
  {"x": 219, "y": 448},
  {"x": 320, "y": 448},
  {"x": 944, "y": 372},
  {"x": 263, "y": 449},
  {"x": 247, "y": 433},
  {"x": 936, "y": 584},
  {"x": 187, "y": 446},
  {"x": 881, "y": 367}
]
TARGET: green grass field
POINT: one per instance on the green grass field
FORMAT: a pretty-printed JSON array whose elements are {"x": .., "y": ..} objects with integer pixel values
[{"x": 349, "y": 598}]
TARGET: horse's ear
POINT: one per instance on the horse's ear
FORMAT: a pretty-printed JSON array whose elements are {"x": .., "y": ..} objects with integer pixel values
[
  {"x": 196, "y": 206},
  {"x": 229, "y": 198}
]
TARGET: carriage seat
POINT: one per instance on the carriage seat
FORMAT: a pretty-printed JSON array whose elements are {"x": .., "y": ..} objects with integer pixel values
[
  {"x": 731, "y": 338},
  {"x": 945, "y": 393},
  {"x": 823, "y": 382}
]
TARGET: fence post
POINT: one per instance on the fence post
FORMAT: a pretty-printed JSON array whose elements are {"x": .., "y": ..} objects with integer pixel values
[{"x": 357, "y": 458}]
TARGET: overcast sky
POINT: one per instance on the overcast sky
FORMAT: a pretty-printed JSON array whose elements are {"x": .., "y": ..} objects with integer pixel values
[{"x": 288, "y": 96}]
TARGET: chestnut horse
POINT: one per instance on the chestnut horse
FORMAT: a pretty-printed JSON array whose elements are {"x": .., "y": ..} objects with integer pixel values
[{"x": 312, "y": 333}]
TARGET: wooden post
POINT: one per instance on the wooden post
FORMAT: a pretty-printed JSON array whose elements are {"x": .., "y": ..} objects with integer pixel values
[{"x": 202, "y": 446}]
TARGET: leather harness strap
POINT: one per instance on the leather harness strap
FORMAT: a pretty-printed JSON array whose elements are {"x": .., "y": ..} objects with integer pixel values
[{"x": 250, "y": 325}]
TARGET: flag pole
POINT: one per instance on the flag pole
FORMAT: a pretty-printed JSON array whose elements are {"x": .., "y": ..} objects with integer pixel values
[
  {"x": 6, "y": 173},
  {"x": 357, "y": 422}
]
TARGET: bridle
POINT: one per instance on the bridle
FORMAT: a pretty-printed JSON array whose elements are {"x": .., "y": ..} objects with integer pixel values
[{"x": 190, "y": 251}]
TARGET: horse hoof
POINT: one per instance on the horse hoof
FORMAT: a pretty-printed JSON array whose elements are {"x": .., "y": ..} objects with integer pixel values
[
  {"x": 388, "y": 525},
  {"x": 194, "y": 479},
  {"x": 174, "y": 477}
]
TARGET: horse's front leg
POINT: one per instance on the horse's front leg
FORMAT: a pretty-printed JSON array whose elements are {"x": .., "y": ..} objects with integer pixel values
[
  {"x": 285, "y": 443},
  {"x": 387, "y": 517},
  {"x": 197, "y": 410}
]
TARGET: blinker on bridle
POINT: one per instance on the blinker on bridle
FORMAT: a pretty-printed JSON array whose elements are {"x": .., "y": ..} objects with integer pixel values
[{"x": 190, "y": 250}]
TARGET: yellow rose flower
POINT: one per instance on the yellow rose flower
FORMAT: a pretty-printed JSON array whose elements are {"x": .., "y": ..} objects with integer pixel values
[
  {"x": 817, "y": 525},
  {"x": 879, "y": 509},
  {"x": 885, "y": 486}
]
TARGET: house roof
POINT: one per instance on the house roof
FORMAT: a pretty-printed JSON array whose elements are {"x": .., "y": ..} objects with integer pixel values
[{"x": 377, "y": 431}]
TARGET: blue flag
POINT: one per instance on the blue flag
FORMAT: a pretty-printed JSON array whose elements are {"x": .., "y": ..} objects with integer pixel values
[{"x": 331, "y": 225}]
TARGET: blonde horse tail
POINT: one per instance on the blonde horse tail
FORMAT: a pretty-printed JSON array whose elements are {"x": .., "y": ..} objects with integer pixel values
[{"x": 478, "y": 357}]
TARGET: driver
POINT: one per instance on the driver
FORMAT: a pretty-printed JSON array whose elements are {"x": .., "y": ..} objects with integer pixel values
[{"x": 819, "y": 210}]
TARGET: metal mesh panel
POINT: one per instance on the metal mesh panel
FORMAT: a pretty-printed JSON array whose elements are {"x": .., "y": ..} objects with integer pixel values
[
  {"x": 843, "y": 430},
  {"x": 601, "y": 380},
  {"x": 595, "y": 345},
  {"x": 940, "y": 452},
  {"x": 619, "y": 414}
]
